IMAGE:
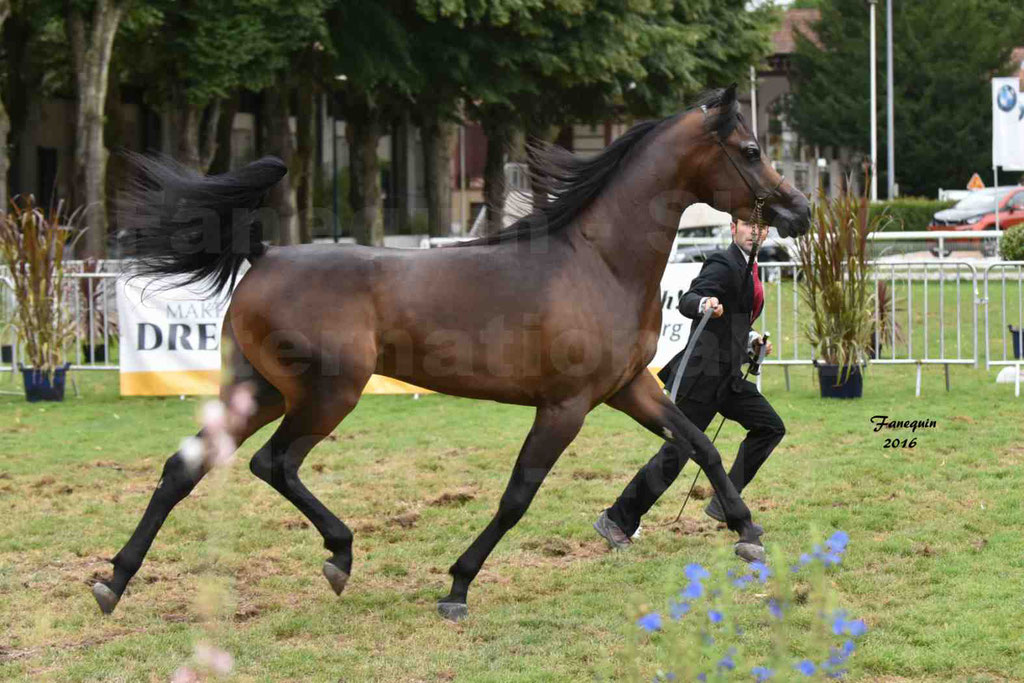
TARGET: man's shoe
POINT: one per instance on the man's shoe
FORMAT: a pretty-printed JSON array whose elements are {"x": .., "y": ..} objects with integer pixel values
[
  {"x": 715, "y": 512},
  {"x": 611, "y": 532}
]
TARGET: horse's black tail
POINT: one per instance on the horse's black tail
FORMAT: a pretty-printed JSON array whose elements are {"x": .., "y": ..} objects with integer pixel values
[{"x": 176, "y": 222}]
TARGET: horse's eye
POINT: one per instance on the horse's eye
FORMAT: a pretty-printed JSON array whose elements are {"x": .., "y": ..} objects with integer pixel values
[{"x": 752, "y": 152}]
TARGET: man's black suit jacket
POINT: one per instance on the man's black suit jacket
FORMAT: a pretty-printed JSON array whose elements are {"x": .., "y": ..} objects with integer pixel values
[{"x": 721, "y": 351}]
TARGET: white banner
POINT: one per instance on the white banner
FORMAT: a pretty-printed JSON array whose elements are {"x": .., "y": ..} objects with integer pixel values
[
  {"x": 1007, "y": 124},
  {"x": 675, "y": 327},
  {"x": 170, "y": 338}
]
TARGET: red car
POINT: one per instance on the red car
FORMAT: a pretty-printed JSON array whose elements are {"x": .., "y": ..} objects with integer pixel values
[{"x": 976, "y": 211}]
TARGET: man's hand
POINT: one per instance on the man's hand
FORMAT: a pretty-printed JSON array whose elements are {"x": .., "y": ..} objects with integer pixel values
[
  {"x": 715, "y": 306},
  {"x": 767, "y": 348}
]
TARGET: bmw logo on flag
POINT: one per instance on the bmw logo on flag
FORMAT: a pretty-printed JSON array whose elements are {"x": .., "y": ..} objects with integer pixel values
[{"x": 1007, "y": 98}]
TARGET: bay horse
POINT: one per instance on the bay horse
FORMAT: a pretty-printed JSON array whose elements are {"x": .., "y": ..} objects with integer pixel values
[{"x": 560, "y": 311}]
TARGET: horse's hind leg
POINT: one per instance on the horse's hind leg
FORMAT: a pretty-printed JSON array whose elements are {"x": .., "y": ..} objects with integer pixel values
[
  {"x": 554, "y": 428},
  {"x": 176, "y": 482},
  {"x": 278, "y": 463}
]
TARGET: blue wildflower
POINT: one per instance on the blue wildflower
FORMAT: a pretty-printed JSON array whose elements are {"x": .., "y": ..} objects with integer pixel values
[
  {"x": 677, "y": 610},
  {"x": 694, "y": 590},
  {"x": 838, "y": 620},
  {"x": 695, "y": 572},
  {"x": 856, "y": 627},
  {"x": 806, "y": 667},
  {"x": 836, "y": 657},
  {"x": 805, "y": 560},
  {"x": 837, "y": 541},
  {"x": 832, "y": 559},
  {"x": 848, "y": 648},
  {"x": 726, "y": 662},
  {"x": 702, "y": 677},
  {"x": 715, "y": 616},
  {"x": 762, "y": 570},
  {"x": 743, "y": 581},
  {"x": 650, "y": 622},
  {"x": 762, "y": 673},
  {"x": 775, "y": 608},
  {"x": 838, "y": 673}
]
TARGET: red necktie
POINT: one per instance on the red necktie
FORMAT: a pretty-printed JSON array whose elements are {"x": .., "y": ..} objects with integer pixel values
[{"x": 758, "y": 295}]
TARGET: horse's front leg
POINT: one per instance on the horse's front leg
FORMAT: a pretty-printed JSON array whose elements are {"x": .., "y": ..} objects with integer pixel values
[
  {"x": 643, "y": 400},
  {"x": 554, "y": 428}
]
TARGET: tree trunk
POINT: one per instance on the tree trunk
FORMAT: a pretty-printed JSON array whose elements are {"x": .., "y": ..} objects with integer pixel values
[
  {"x": 402, "y": 204},
  {"x": 305, "y": 157},
  {"x": 437, "y": 157},
  {"x": 168, "y": 126},
  {"x": 499, "y": 135},
  {"x": 221, "y": 162},
  {"x": 196, "y": 133},
  {"x": 362, "y": 130},
  {"x": 91, "y": 48},
  {"x": 279, "y": 143},
  {"x": 5, "y": 122},
  {"x": 208, "y": 135}
]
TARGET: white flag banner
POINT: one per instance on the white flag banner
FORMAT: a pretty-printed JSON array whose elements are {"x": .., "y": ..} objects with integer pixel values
[
  {"x": 675, "y": 327},
  {"x": 1007, "y": 124},
  {"x": 170, "y": 338}
]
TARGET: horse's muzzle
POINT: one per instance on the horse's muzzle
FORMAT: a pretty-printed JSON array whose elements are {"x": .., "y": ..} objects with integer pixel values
[{"x": 792, "y": 218}]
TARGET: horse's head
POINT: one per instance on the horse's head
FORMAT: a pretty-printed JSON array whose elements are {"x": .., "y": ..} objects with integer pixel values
[{"x": 735, "y": 176}]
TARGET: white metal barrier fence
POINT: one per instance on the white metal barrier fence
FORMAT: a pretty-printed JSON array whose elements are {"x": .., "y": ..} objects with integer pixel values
[
  {"x": 1007, "y": 276},
  {"x": 925, "y": 314}
]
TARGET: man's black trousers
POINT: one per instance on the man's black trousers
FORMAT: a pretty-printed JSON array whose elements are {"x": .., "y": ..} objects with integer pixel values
[{"x": 741, "y": 402}]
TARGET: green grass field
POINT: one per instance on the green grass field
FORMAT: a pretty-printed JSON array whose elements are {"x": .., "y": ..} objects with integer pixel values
[{"x": 934, "y": 567}]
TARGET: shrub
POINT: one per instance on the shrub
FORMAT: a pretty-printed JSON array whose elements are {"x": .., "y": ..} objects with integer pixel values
[
  {"x": 908, "y": 214},
  {"x": 837, "y": 285},
  {"x": 32, "y": 246},
  {"x": 1011, "y": 245}
]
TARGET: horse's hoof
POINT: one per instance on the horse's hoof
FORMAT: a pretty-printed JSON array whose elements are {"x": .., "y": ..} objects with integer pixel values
[
  {"x": 453, "y": 611},
  {"x": 750, "y": 552},
  {"x": 335, "y": 577},
  {"x": 106, "y": 598}
]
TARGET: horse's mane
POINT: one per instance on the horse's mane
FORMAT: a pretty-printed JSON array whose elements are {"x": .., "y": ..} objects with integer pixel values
[{"x": 573, "y": 181}]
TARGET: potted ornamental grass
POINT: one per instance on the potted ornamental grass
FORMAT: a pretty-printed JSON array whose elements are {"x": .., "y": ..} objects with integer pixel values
[
  {"x": 839, "y": 290},
  {"x": 33, "y": 243}
]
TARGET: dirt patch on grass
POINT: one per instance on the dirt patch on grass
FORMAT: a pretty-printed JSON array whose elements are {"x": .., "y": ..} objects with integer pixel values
[
  {"x": 694, "y": 527},
  {"x": 406, "y": 520},
  {"x": 590, "y": 475},
  {"x": 455, "y": 498},
  {"x": 557, "y": 552}
]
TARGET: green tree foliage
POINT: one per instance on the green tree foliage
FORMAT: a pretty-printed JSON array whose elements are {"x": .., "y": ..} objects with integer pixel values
[
  {"x": 944, "y": 52},
  {"x": 537, "y": 65}
]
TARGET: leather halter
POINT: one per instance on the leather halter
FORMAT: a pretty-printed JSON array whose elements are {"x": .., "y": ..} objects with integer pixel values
[{"x": 759, "y": 196}]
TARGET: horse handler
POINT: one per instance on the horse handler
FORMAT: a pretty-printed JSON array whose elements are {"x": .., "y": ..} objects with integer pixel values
[{"x": 712, "y": 383}]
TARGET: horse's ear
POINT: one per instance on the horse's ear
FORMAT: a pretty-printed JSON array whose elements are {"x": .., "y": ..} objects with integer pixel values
[{"x": 729, "y": 95}]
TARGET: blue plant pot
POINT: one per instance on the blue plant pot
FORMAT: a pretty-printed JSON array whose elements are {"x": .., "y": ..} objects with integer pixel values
[
  {"x": 1016, "y": 342},
  {"x": 853, "y": 387},
  {"x": 42, "y": 387}
]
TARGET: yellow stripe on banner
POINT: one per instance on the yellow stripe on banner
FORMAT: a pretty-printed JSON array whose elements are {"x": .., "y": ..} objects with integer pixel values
[
  {"x": 379, "y": 384},
  {"x": 207, "y": 383},
  {"x": 171, "y": 383}
]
